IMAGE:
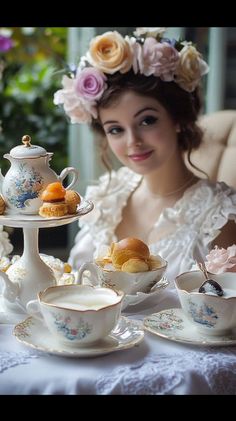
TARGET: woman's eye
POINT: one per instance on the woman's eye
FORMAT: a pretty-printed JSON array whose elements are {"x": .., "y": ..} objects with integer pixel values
[
  {"x": 114, "y": 130},
  {"x": 148, "y": 120}
]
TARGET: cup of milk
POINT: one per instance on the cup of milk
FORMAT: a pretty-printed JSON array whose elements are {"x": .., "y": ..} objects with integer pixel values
[{"x": 77, "y": 314}]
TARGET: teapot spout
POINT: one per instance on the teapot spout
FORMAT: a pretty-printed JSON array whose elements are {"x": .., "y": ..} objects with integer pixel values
[{"x": 10, "y": 289}]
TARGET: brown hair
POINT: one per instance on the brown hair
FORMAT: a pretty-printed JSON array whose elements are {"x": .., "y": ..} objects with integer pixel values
[{"x": 183, "y": 107}]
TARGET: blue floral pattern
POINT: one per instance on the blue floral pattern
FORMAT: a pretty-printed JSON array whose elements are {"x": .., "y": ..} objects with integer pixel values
[
  {"x": 70, "y": 332},
  {"x": 26, "y": 186},
  {"x": 203, "y": 314}
]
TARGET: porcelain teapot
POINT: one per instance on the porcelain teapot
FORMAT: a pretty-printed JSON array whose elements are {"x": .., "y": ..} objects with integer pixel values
[{"x": 28, "y": 176}]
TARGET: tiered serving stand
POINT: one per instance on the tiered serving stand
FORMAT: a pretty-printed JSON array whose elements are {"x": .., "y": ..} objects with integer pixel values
[{"x": 30, "y": 272}]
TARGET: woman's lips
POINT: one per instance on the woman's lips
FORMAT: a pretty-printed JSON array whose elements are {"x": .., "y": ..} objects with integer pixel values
[{"x": 140, "y": 156}]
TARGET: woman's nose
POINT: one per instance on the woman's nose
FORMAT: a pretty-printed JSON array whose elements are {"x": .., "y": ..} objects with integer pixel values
[{"x": 133, "y": 139}]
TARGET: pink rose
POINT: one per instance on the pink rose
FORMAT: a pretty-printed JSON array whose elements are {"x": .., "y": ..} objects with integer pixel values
[
  {"x": 90, "y": 83},
  {"x": 78, "y": 110},
  {"x": 221, "y": 260},
  {"x": 155, "y": 58},
  {"x": 5, "y": 43}
]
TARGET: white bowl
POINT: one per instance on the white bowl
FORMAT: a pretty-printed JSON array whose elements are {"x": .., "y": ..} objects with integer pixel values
[{"x": 129, "y": 283}]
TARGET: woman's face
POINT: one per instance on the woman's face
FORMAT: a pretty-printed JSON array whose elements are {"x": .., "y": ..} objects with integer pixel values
[{"x": 140, "y": 132}]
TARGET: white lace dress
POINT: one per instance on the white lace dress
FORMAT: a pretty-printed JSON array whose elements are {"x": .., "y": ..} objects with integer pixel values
[{"x": 187, "y": 229}]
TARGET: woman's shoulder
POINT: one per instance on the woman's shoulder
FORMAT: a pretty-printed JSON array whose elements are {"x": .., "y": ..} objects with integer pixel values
[
  {"x": 109, "y": 196},
  {"x": 207, "y": 188},
  {"x": 207, "y": 198},
  {"x": 202, "y": 199}
]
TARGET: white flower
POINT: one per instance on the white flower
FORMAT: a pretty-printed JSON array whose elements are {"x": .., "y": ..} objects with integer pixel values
[
  {"x": 5, "y": 245},
  {"x": 151, "y": 32}
]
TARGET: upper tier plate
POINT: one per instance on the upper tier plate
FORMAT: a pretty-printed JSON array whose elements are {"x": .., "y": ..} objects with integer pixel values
[{"x": 37, "y": 221}]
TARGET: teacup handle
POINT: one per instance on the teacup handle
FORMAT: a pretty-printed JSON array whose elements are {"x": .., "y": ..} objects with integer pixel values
[
  {"x": 32, "y": 308},
  {"x": 65, "y": 172},
  {"x": 91, "y": 267}
]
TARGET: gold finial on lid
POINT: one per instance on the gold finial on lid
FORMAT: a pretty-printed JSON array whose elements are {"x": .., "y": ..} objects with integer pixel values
[{"x": 26, "y": 140}]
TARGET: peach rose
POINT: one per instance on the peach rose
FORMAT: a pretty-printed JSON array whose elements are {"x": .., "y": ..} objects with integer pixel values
[
  {"x": 221, "y": 260},
  {"x": 110, "y": 53},
  {"x": 190, "y": 69}
]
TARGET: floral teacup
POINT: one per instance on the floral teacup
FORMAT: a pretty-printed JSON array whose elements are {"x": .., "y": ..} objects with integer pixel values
[
  {"x": 210, "y": 314},
  {"x": 77, "y": 314}
]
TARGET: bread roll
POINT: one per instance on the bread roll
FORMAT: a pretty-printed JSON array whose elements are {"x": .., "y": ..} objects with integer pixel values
[
  {"x": 135, "y": 265},
  {"x": 126, "y": 249}
]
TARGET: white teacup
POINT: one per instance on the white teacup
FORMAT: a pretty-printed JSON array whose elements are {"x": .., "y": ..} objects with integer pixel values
[
  {"x": 77, "y": 314},
  {"x": 128, "y": 282}
]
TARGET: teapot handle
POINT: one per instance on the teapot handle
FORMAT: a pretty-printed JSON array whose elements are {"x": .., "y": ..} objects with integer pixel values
[{"x": 65, "y": 172}]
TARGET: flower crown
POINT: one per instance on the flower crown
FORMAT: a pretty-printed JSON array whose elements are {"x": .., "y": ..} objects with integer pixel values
[{"x": 147, "y": 53}]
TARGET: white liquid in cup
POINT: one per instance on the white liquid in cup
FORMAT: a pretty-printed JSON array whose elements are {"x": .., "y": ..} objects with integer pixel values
[{"x": 86, "y": 302}]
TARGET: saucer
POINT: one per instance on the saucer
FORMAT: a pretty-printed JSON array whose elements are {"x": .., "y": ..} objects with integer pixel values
[
  {"x": 131, "y": 300},
  {"x": 33, "y": 333},
  {"x": 172, "y": 324}
]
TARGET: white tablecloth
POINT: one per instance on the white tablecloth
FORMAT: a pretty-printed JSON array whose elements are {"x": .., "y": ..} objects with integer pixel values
[{"x": 156, "y": 366}]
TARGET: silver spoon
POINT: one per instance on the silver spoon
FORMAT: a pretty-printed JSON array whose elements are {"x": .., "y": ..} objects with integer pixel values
[{"x": 209, "y": 285}]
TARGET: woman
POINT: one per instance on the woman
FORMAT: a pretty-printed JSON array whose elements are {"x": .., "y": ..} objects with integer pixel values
[{"x": 142, "y": 93}]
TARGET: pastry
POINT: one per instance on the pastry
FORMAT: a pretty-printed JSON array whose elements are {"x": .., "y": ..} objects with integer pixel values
[
  {"x": 154, "y": 262},
  {"x": 126, "y": 249},
  {"x": 48, "y": 210},
  {"x": 53, "y": 192},
  {"x": 135, "y": 265},
  {"x": 2, "y": 205},
  {"x": 5, "y": 263},
  {"x": 67, "y": 268},
  {"x": 72, "y": 199},
  {"x": 54, "y": 204}
]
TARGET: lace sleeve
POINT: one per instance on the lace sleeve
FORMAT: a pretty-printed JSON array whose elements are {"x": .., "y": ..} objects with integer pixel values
[{"x": 221, "y": 209}]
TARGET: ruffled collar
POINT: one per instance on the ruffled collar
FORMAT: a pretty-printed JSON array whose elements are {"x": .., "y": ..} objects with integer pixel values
[{"x": 110, "y": 198}]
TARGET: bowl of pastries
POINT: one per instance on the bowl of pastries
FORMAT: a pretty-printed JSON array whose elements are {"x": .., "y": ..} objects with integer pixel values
[{"x": 127, "y": 266}]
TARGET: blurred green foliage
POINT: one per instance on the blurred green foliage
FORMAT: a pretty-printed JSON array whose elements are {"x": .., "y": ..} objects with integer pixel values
[{"x": 28, "y": 83}]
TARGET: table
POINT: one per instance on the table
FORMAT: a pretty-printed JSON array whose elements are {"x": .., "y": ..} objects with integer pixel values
[{"x": 156, "y": 366}]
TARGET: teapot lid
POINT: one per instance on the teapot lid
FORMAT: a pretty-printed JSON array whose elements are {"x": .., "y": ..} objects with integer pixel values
[{"x": 27, "y": 150}]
